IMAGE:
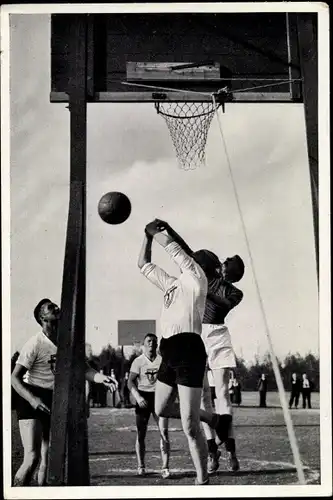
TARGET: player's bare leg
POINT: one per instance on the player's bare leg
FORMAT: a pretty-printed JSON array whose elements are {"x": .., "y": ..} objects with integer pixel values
[
  {"x": 31, "y": 436},
  {"x": 42, "y": 470},
  {"x": 224, "y": 407},
  {"x": 163, "y": 426},
  {"x": 164, "y": 407},
  {"x": 140, "y": 443},
  {"x": 189, "y": 402},
  {"x": 213, "y": 451}
]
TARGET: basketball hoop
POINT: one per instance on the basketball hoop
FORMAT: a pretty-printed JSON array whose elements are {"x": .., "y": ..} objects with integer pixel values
[{"x": 188, "y": 124}]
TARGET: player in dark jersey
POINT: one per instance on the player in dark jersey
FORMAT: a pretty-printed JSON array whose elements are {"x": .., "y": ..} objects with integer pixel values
[{"x": 222, "y": 297}]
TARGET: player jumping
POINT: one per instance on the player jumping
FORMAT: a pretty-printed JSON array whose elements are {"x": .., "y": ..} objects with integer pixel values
[
  {"x": 141, "y": 383},
  {"x": 222, "y": 296},
  {"x": 183, "y": 352}
]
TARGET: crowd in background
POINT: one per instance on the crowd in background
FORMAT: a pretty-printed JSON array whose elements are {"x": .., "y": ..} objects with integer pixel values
[{"x": 300, "y": 376}]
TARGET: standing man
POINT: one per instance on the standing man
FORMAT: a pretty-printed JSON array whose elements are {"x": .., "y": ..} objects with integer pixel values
[
  {"x": 126, "y": 392},
  {"x": 306, "y": 391},
  {"x": 183, "y": 352},
  {"x": 295, "y": 390},
  {"x": 222, "y": 297},
  {"x": 33, "y": 380},
  {"x": 142, "y": 383},
  {"x": 262, "y": 388}
]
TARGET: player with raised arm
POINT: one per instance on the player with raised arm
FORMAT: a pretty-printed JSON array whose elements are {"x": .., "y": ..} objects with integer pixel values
[
  {"x": 183, "y": 352},
  {"x": 141, "y": 383},
  {"x": 33, "y": 381},
  {"x": 222, "y": 297}
]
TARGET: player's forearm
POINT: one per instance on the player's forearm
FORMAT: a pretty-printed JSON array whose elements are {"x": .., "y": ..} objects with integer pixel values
[
  {"x": 133, "y": 390},
  {"x": 21, "y": 389},
  {"x": 178, "y": 239},
  {"x": 163, "y": 239},
  {"x": 145, "y": 253}
]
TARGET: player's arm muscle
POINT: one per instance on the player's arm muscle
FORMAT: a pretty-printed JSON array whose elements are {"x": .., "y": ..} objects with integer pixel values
[
  {"x": 145, "y": 252},
  {"x": 16, "y": 380},
  {"x": 132, "y": 385}
]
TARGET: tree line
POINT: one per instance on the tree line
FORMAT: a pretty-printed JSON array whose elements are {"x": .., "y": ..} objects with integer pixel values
[{"x": 247, "y": 374}]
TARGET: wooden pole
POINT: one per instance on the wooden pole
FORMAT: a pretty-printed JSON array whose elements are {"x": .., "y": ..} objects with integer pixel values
[
  {"x": 69, "y": 419},
  {"x": 308, "y": 49}
]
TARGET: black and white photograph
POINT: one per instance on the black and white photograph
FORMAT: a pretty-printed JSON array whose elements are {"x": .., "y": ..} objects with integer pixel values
[{"x": 165, "y": 250}]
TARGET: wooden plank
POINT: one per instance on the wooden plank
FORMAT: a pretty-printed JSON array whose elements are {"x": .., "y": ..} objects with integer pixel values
[
  {"x": 57, "y": 451},
  {"x": 68, "y": 414},
  {"x": 78, "y": 463},
  {"x": 60, "y": 97},
  {"x": 169, "y": 71},
  {"x": 308, "y": 46}
]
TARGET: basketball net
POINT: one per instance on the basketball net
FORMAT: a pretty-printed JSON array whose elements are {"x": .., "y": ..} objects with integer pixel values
[{"x": 188, "y": 124}]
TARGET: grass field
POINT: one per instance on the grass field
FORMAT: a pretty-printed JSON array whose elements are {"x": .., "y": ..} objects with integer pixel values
[{"x": 263, "y": 447}]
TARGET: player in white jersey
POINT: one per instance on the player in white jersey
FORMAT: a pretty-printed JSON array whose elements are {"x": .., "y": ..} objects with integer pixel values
[
  {"x": 183, "y": 352},
  {"x": 142, "y": 383},
  {"x": 33, "y": 381}
]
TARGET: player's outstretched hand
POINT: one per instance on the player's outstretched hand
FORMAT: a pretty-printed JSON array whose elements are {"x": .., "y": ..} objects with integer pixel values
[
  {"x": 163, "y": 225},
  {"x": 110, "y": 383},
  {"x": 153, "y": 228}
]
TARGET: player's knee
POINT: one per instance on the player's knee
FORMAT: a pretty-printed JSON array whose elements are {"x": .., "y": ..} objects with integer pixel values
[
  {"x": 160, "y": 409},
  {"x": 31, "y": 458},
  {"x": 191, "y": 427}
]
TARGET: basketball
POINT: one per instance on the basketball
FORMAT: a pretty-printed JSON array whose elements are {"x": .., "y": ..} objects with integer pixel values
[{"x": 114, "y": 207}]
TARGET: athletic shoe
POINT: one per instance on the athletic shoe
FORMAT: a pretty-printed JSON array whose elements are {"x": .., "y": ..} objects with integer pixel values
[
  {"x": 233, "y": 462},
  {"x": 213, "y": 462},
  {"x": 196, "y": 482},
  {"x": 141, "y": 471},
  {"x": 165, "y": 473},
  {"x": 222, "y": 428}
]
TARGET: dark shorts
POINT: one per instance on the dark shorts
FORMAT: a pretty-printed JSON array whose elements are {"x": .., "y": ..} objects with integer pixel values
[
  {"x": 146, "y": 412},
  {"x": 25, "y": 411},
  {"x": 183, "y": 360}
]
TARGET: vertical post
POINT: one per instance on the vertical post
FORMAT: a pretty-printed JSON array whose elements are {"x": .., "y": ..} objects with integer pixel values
[
  {"x": 308, "y": 48},
  {"x": 78, "y": 464},
  {"x": 69, "y": 419}
]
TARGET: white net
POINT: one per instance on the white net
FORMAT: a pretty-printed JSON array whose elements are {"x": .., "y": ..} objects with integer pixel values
[{"x": 188, "y": 124}]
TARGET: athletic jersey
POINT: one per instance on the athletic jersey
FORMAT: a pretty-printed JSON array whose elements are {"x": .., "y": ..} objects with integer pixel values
[
  {"x": 146, "y": 371},
  {"x": 184, "y": 297},
  {"x": 221, "y": 289},
  {"x": 38, "y": 355}
]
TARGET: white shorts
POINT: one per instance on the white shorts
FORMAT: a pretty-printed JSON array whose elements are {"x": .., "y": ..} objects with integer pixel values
[{"x": 218, "y": 346}]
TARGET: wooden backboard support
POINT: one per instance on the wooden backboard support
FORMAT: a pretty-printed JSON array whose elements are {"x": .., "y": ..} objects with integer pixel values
[
  {"x": 89, "y": 63},
  {"x": 257, "y": 53}
]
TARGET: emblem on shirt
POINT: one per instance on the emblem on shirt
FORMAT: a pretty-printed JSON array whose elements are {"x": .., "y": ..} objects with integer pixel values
[
  {"x": 152, "y": 375},
  {"x": 52, "y": 362},
  {"x": 169, "y": 295}
]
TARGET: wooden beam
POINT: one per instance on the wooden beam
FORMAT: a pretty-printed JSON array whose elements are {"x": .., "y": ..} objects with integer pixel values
[
  {"x": 242, "y": 97},
  {"x": 308, "y": 47},
  {"x": 69, "y": 420}
]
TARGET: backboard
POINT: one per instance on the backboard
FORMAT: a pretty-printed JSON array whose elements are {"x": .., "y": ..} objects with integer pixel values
[
  {"x": 133, "y": 57},
  {"x": 131, "y": 331}
]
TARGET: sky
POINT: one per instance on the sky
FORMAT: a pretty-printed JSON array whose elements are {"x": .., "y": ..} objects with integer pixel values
[{"x": 129, "y": 150}]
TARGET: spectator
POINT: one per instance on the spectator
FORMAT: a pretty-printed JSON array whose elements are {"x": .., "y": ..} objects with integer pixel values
[
  {"x": 295, "y": 390},
  {"x": 126, "y": 392},
  {"x": 231, "y": 388},
  {"x": 262, "y": 388},
  {"x": 237, "y": 395},
  {"x": 306, "y": 391}
]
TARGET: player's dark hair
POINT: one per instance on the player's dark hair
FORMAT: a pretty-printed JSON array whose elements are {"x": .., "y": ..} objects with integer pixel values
[
  {"x": 241, "y": 268},
  {"x": 150, "y": 335}
]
